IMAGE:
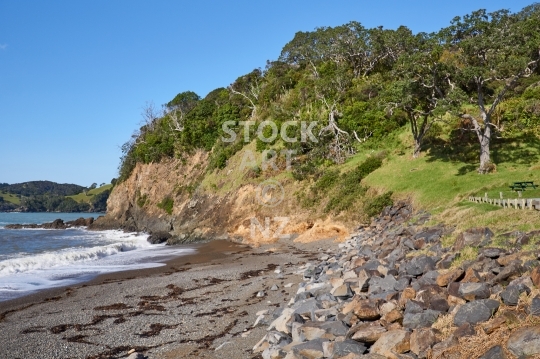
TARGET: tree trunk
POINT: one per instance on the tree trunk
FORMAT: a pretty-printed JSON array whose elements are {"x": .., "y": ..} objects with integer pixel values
[
  {"x": 485, "y": 141},
  {"x": 417, "y": 147}
]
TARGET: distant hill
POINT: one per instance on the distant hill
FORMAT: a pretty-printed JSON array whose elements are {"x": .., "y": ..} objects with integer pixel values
[
  {"x": 47, "y": 196},
  {"x": 36, "y": 188}
]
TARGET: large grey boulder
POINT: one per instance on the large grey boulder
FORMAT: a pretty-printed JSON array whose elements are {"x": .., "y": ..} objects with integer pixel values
[
  {"x": 474, "y": 291},
  {"x": 525, "y": 342},
  {"x": 419, "y": 265},
  {"x": 420, "y": 320},
  {"x": 475, "y": 312}
]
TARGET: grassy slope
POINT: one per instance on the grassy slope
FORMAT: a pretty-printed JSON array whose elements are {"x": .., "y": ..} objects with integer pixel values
[
  {"x": 81, "y": 197},
  {"x": 8, "y": 197},
  {"x": 442, "y": 186}
]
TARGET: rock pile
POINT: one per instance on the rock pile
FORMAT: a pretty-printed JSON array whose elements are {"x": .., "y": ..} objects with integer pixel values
[{"x": 394, "y": 291}]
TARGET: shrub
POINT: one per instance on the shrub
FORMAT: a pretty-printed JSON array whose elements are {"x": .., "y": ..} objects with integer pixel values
[
  {"x": 166, "y": 204},
  {"x": 141, "y": 200},
  {"x": 368, "y": 166},
  {"x": 375, "y": 206}
]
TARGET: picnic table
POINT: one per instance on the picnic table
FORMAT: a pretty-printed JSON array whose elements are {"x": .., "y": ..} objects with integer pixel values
[{"x": 521, "y": 186}]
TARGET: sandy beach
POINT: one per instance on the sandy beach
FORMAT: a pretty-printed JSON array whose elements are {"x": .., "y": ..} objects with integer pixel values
[{"x": 187, "y": 309}]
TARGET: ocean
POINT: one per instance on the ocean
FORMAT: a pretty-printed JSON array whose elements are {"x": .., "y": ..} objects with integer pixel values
[{"x": 37, "y": 259}]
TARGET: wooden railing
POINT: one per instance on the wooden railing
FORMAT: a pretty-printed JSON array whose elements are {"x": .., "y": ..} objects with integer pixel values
[{"x": 517, "y": 203}]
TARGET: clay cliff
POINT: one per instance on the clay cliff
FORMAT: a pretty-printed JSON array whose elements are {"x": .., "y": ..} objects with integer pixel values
[{"x": 180, "y": 197}]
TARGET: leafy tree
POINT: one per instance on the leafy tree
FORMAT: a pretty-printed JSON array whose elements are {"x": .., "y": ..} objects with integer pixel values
[
  {"x": 489, "y": 53},
  {"x": 422, "y": 88},
  {"x": 179, "y": 107}
]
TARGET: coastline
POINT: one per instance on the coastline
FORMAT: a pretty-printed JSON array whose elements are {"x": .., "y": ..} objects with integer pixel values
[
  {"x": 205, "y": 251},
  {"x": 190, "y": 306}
]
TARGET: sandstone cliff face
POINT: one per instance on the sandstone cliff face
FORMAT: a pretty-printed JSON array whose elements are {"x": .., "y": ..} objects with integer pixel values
[{"x": 201, "y": 211}]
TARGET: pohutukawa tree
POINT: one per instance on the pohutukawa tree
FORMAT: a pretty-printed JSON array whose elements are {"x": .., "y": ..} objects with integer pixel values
[
  {"x": 489, "y": 53},
  {"x": 422, "y": 87},
  {"x": 249, "y": 87},
  {"x": 177, "y": 109}
]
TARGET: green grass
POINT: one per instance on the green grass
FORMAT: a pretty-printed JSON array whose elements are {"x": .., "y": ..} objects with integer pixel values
[
  {"x": 8, "y": 197},
  {"x": 442, "y": 186},
  {"x": 81, "y": 197}
]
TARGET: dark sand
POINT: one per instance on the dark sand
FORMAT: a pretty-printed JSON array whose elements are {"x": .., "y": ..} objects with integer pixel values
[{"x": 185, "y": 309}]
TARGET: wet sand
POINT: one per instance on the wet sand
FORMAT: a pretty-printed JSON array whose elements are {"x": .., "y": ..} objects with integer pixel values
[{"x": 185, "y": 309}]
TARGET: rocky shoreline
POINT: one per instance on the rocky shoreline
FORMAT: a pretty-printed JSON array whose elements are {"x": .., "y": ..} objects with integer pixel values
[
  {"x": 394, "y": 291},
  {"x": 397, "y": 288},
  {"x": 56, "y": 224}
]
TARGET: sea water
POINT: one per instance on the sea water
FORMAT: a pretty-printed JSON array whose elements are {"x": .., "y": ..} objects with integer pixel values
[{"x": 37, "y": 259}]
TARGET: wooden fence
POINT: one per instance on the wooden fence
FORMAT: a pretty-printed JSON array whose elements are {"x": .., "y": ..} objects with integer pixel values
[{"x": 517, "y": 203}]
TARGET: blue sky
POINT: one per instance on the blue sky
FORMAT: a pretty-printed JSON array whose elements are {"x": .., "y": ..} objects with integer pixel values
[{"x": 74, "y": 75}]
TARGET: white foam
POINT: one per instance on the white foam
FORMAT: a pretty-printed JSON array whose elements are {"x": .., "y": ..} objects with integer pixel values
[
  {"x": 28, "y": 273},
  {"x": 70, "y": 256}
]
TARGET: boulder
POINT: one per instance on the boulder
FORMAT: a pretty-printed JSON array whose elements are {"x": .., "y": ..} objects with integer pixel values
[
  {"x": 524, "y": 342},
  {"x": 510, "y": 296},
  {"x": 281, "y": 322},
  {"x": 452, "y": 276},
  {"x": 464, "y": 330},
  {"x": 535, "y": 276},
  {"x": 393, "y": 316},
  {"x": 440, "y": 349},
  {"x": 364, "y": 309},
  {"x": 493, "y": 253},
  {"x": 475, "y": 312},
  {"x": 341, "y": 349},
  {"x": 422, "y": 340},
  {"x": 474, "y": 291},
  {"x": 420, "y": 320},
  {"x": 367, "y": 332},
  {"x": 495, "y": 352},
  {"x": 472, "y": 237},
  {"x": 331, "y": 329},
  {"x": 512, "y": 269},
  {"x": 56, "y": 224},
  {"x": 159, "y": 237},
  {"x": 535, "y": 306},
  {"x": 306, "y": 307},
  {"x": 312, "y": 349},
  {"x": 414, "y": 307},
  {"x": 494, "y": 324},
  {"x": 379, "y": 285},
  {"x": 471, "y": 276},
  {"x": 419, "y": 265},
  {"x": 391, "y": 343}
]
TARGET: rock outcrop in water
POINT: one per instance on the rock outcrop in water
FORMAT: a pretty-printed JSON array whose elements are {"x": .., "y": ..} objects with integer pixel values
[{"x": 56, "y": 224}]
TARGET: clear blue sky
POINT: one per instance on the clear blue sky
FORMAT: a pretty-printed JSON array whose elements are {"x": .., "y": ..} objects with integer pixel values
[{"x": 74, "y": 75}]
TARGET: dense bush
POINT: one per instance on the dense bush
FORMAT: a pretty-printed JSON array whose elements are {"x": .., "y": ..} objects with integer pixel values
[{"x": 375, "y": 205}]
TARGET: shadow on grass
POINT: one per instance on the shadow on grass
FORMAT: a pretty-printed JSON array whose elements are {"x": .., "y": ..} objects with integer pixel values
[{"x": 463, "y": 147}]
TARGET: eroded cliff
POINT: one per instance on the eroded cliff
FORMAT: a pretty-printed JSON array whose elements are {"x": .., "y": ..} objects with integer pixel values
[{"x": 180, "y": 197}]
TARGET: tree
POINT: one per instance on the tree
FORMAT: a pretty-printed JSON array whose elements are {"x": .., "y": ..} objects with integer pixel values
[
  {"x": 423, "y": 89},
  {"x": 362, "y": 50},
  {"x": 489, "y": 53},
  {"x": 179, "y": 107},
  {"x": 249, "y": 87}
]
